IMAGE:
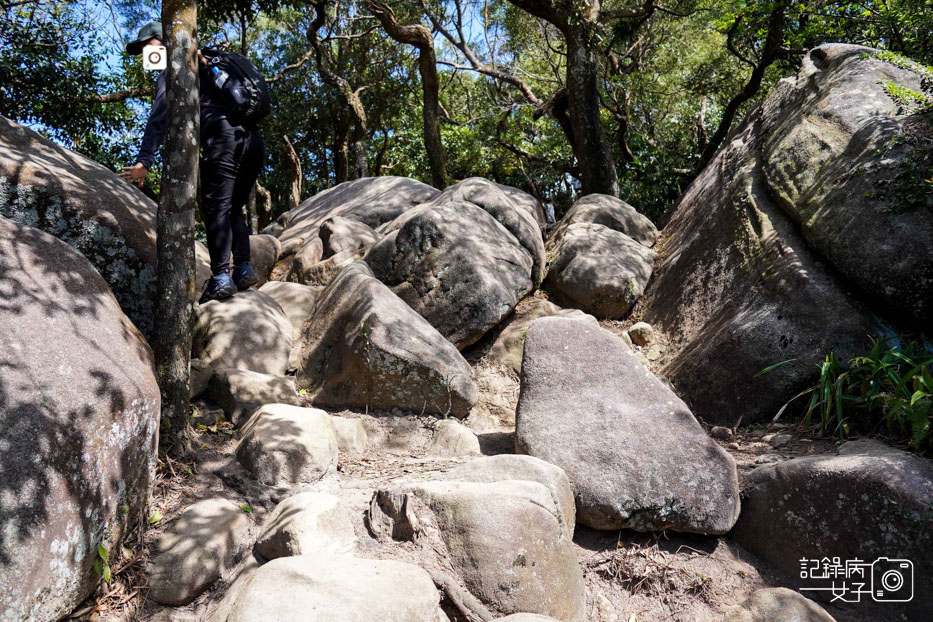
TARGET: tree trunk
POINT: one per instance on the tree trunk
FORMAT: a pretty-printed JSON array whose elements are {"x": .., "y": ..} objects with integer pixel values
[
  {"x": 420, "y": 37},
  {"x": 263, "y": 205},
  {"x": 175, "y": 221},
  {"x": 341, "y": 149},
  {"x": 591, "y": 145},
  {"x": 293, "y": 170}
]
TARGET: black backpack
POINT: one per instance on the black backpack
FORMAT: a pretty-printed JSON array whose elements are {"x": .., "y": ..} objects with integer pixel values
[{"x": 243, "y": 92}]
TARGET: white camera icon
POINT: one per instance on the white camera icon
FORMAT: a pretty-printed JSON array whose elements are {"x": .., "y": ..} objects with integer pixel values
[
  {"x": 154, "y": 57},
  {"x": 892, "y": 580}
]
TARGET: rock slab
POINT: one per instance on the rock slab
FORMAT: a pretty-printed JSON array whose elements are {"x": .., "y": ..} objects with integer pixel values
[{"x": 634, "y": 453}]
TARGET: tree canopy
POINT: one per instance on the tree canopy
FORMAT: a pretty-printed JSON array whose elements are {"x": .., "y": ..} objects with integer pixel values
[{"x": 554, "y": 96}]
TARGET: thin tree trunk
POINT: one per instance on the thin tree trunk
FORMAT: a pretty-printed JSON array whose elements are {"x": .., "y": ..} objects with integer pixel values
[
  {"x": 351, "y": 97},
  {"x": 175, "y": 221},
  {"x": 293, "y": 170},
  {"x": 263, "y": 205},
  {"x": 591, "y": 145},
  {"x": 769, "y": 54}
]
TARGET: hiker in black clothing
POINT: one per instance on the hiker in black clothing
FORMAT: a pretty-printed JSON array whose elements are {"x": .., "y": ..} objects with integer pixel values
[{"x": 231, "y": 159}]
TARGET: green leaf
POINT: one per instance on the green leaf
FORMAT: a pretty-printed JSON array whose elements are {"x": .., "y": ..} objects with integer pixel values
[
  {"x": 155, "y": 518},
  {"x": 102, "y": 552},
  {"x": 98, "y": 567},
  {"x": 247, "y": 509},
  {"x": 106, "y": 573},
  {"x": 773, "y": 367}
]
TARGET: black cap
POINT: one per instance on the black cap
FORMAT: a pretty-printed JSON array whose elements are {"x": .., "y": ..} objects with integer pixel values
[{"x": 152, "y": 30}]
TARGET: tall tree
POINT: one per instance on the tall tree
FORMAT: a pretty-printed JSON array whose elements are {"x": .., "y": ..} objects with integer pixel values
[
  {"x": 580, "y": 23},
  {"x": 175, "y": 220},
  {"x": 351, "y": 96},
  {"x": 421, "y": 38}
]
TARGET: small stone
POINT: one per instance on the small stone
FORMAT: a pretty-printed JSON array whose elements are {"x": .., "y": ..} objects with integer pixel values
[
  {"x": 779, "y": 440},
  {"x": 351, "y": 435},
  {"x": 721, "y": 433},
  {"x": 453, "y": 439},
  {"x": 769, "y": 459},
  {"x": 641, "y": 333},
  {"x": 734, "y": 446}
]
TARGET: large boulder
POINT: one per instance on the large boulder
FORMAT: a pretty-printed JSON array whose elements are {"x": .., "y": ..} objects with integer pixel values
[
  {"x": 337, "y": 588},
  {"x": 365, "y": 347},
  {"x": 616, "y": 214},
  {"x": 283, "y": 445},
  {"x": 240, "y": 392},
  {"x": 635, "y": 455},
  {"x": 369, "y": 200},
  {"x": 79, "y": 414},
  {"x": 511, "y": 214},
  {"x": 506, "y": 540},
  {"x": 339, "y": 234},
  {"x": 246, "y": 331},
  {"x": 307, "y": 523},
  {"x": 107, "y": 220},
  {"x": 792, "y": 510},
  {"x": 456, "y": 265},
  {"x": 526, "y": 202},
  {"x": 774, "y": 244},
  {"x": 598, "y": 269},
  {"x": 510, "y": 467},
  {"x": 196, "y": 550}
]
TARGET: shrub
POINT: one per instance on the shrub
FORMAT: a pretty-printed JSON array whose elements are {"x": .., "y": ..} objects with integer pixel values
[{"x": 890, "y": 388}]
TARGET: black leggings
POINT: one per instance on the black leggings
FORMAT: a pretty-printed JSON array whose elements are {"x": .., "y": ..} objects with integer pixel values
[{"x": 231, "y": 159}]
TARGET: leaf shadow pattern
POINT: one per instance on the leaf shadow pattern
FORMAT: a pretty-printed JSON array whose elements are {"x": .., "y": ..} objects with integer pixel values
[{"x": 79, "y": 408}]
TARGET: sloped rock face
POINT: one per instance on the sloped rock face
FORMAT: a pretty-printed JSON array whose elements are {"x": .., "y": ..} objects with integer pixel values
[
  {"x": 869, "y": 502},
  {"x": 462, "y": 261},
  {"x": 82, "y": 203},
  {"x": 635, "y": 455},
  {"x": 526, "y": 202},
  {"x": 742, "y": 288},
  {"x": 365, "y": 346},
  {"x": 307, "y": 523},
  {"x": 264, "y": 251},
  {"x": 79, "y": 413},
  {"x": 369, "y": 200}
]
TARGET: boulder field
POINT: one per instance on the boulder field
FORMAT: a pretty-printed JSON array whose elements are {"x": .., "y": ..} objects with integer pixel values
[{"x": 436, "y": 408}]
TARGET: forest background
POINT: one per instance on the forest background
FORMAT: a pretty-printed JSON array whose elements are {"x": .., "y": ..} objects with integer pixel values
[{"x": 552, "y": 96}]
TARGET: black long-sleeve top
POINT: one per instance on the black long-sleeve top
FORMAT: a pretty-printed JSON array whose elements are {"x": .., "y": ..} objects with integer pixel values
[{"x": 211, "y": 110}]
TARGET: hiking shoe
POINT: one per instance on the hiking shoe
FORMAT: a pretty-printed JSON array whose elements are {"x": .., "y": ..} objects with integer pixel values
[
  {"x": 218, "y": 287},
  {"x": 244, "y": 276}
]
